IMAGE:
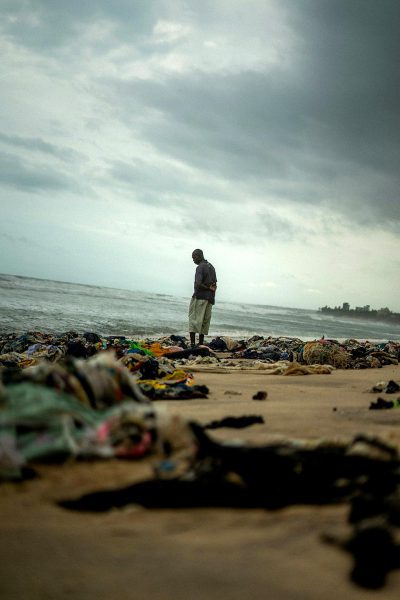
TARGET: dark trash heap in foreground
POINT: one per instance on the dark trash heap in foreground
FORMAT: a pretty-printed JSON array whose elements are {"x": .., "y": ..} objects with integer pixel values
[{"x": 78, "y": 398}]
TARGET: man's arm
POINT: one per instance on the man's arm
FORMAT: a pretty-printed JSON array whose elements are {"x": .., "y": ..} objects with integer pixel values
[
  {"x": 203, "y": 286},
  {"x": 198, "y": 281}
]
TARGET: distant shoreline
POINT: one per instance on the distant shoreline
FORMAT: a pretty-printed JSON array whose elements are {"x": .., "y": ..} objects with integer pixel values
[{"x": 366, "y": 315}]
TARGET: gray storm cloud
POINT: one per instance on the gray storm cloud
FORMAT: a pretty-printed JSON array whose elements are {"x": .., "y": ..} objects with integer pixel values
[
  {"x": 324, "y": 131},
  {"x": 320, "y": 127}
]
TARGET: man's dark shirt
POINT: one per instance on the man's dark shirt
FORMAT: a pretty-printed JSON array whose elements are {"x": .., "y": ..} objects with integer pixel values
[{"x": 206, "y": 275}]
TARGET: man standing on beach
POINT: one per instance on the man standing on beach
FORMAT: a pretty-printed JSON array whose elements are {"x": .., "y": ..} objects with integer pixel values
[{"x": 205, "y": 284}]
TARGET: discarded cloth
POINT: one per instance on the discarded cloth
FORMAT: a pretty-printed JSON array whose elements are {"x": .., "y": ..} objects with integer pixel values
[
  {"x": 382, "y": 404},
  {"x": 235, "y": 422},
  {"x": 181, "y": 387},
  {"x": 99, "y": 381},
  {"x": 387, "y": 387},
  {"x": 210, "y": 364},
  {"x": 39, "y": 423}
]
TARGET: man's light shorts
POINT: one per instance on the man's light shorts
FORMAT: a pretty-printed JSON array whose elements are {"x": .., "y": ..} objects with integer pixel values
[{"x": 199, "y": 315}]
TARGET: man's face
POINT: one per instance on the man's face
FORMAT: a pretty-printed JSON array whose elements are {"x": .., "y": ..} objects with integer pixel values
[{"x": 197, "y": 258}]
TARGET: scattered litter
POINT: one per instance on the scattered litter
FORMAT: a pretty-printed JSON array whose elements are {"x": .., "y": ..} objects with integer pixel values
[
  {"x": 382, "y": 404},
  {"x": 392, "y": 387},
  {"x": 387, "y": 387},
  {"x": 235, "y": 422},
  {"x": 261, "y": 395},
  {"x": 378, "y": 387}
]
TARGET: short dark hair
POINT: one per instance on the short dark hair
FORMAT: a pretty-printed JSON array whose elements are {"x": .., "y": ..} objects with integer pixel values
[{"x": 198, "y": 253}]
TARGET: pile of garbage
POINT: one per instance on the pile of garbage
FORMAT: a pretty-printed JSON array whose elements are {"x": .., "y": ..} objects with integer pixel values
[
  {"x": 29, "y": 348},
  {"x": 83, "y": 396},
  {"x": 80, "y": 408},
  {"x": 151, "y": 362},
  {"x": 350, "y": 354},
  {"x": 154, "y": 357}
]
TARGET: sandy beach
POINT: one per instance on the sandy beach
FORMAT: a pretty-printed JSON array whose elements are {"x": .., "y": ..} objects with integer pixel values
[{"x": 133, "y": 552}]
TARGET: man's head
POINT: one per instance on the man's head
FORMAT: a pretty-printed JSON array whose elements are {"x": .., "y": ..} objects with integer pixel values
[{"x": 197, "y": 256}]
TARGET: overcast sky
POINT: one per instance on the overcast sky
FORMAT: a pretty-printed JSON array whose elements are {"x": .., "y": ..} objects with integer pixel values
[{"x": 265, "y": 132}]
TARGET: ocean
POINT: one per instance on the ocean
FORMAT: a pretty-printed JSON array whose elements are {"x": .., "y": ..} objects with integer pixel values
[{"x": 29, "y": 304}]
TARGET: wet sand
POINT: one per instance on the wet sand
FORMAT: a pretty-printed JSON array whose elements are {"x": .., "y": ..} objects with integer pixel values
[{"x": 48, "y": 552}]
